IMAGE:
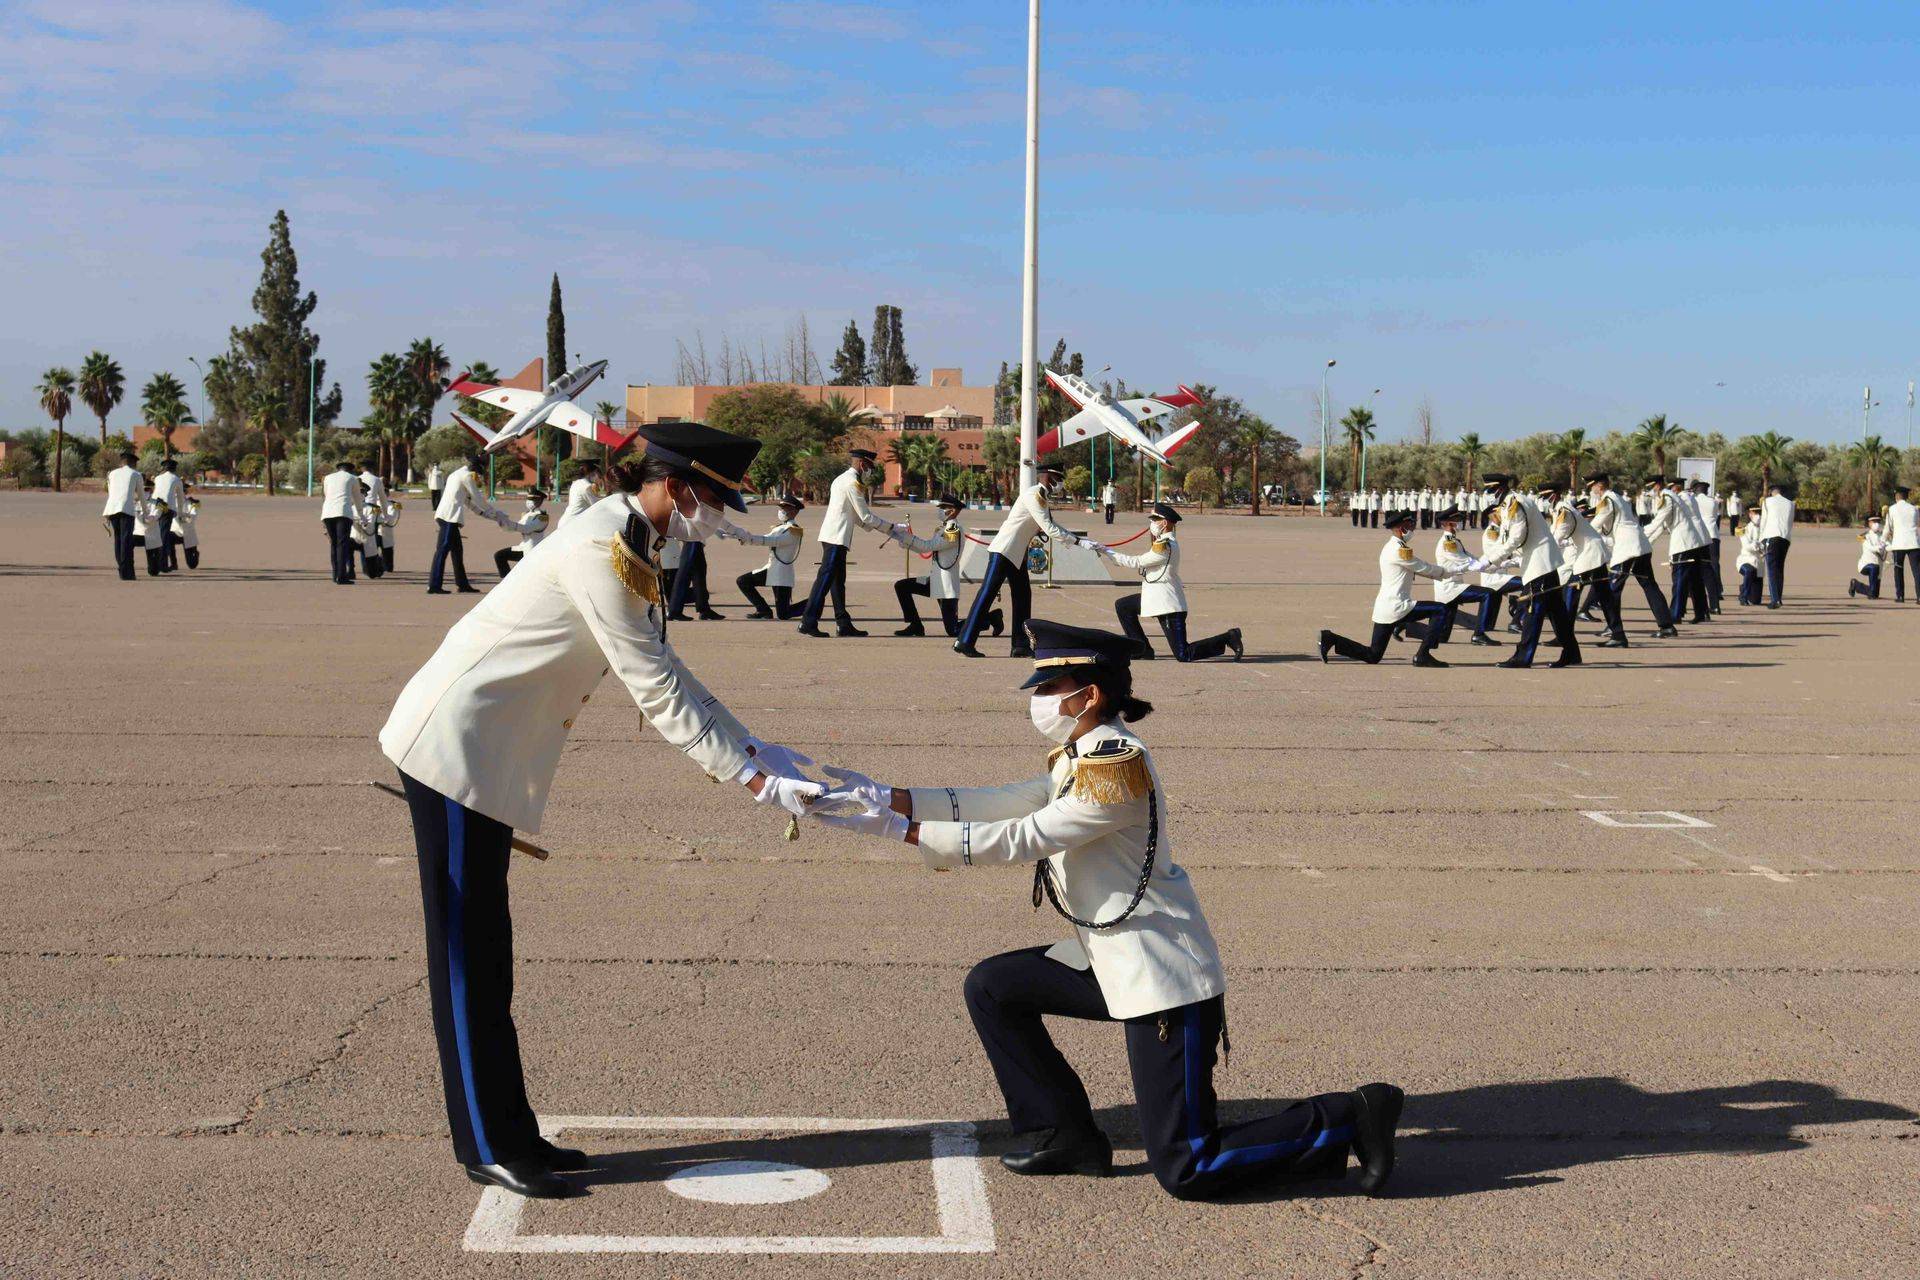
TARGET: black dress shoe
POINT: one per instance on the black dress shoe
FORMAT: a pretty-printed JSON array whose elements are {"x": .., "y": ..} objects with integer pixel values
[
  {"x": 1515, "y": 663},
  {"x": 852, "y": 632},
  {"x": 529, "y": 1177},
  {"x": 1428, "y": 660},
  {"x": 996, "y": 623},
  {"x": 1233, "y": 643},
  {"x": 1612, "y": 642},
  {"x": 1021, "y": 651},
  {"x": 1143, "y": 654},
  {"x": 469, "y": 591},
  {"x": 438, "y": 591},
  {"x": 761, "y": 615},
  {"x": 1091, "y": 1155},
  {"x": 678, "y": 617},
  {"x": 1666, "y": 633},
  {"x": 1853, "y": 589},
  {"x": 1567, "y": 660},
  {"x": 815, "y": 632},
  {"x": 1326, "y": 643},
  {"x": 1773, "y": 604},
  {"x": 1484, "y": 641},
  {"x": 911, "y": 629},
  {"x": 561, "y": 1157},
  {"x": 1376, "y": 1114},
  {"x": 967, "y": 650},
  {"x": 711, "y": 616}
]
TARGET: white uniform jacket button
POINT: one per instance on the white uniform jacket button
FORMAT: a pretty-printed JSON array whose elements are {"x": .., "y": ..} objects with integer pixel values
[{"x": 567, "y": 723}]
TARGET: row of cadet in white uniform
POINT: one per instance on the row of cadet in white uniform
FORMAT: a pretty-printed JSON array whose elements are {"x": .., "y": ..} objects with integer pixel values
[{"x": 158, "y": 520}]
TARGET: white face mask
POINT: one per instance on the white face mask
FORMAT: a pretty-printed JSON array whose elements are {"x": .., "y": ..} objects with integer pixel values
[
  {"x": 700, "y": 526},
  {"x": 1157, "y": 528},
  {"x": 1044, "y": 710}
]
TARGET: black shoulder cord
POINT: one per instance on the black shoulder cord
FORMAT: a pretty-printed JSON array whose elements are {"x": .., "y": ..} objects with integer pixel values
[{"x": 1043, "y": 872}]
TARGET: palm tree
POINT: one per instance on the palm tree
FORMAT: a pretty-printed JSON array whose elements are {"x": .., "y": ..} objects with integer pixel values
[
  {"x": 1769, "y": 453},
  {"x": 56, "y": 400},
  {"x": 1255, "y": 434},
  {"x": 1571, "y": 447},
  {"x": 1358, "y": 425},
  {"x": 1471, "y": 449},
  {"x": 262, "y": 411},
  {"x": 428, "y": 366},
  {"x": 836, "y": 416},
  {"x": 606, "y": 411},
  {"x": 390, "y": 389},
  {"x": 163, "y": 403},
  {"x": 1656, "y": 435},
  {"x": 926, "y": 451},
  {"x": 101, "y": 386},
  {"x": 1873, "y": 455}
]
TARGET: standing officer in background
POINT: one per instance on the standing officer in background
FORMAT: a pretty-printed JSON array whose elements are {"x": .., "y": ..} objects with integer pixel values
[
  {"x": 1162, "y": 597},
  {"x": 170, "y": 491},
  {"x": 783, "y": 543},
  {"x": 1675, "y": 516},
  {"x": 1395, "y": 606},
  {"x": 376, "y": 495},
  {"x": 1709, "y": 508},
  {"x": 340, "y": 512},
  {"x": 531, "y": 526},
  {"x": 479, "y": 729},
  {"x": 1107, "y": 499},
  {"x": 1753, "y": 558},
  {"x": 436, "y": 483},
  {"x": 1094, "y": 826},
  {"x": 126, "y": 495},
  {"x": 1526, "y": 534},
  {"x": 1903, "y": 540},
  {"x": 846, "y": 510},
  {"x": 1584, "y": 553},
  {"x": 582, "y": 493},
  {"x": 1632, "y": 554},
  {"x": 1007, "y": 563},
  {"x": 1873, "y": 552},
  {"x": 1776, "y": 533},
  {"x": 942, "y": 581},
  {"x": 450, "y": 516},
  {"x": 692, "y": 581}
]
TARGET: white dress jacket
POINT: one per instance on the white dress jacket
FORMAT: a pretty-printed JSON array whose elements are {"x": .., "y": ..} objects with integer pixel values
[
  {"x": 1903, "y": 526},
  {"x": 1614, "y": 520},
  {"x": 1399, "y": 568},
  {"x": 783, "y": 548},
  {"x": 485, "y": 720},
  {"x": 1159, "y": 570},
  {"x": 1524, "y": 534},
  {"x": 1028, "y": 515},
  {"x": 847, "y": 510},
  {"x": 126, "y": 490},
  {"x": 943, "y": 551},
  {"x": 340, "y": 496},
  {"x": 1160, "y": 957}
]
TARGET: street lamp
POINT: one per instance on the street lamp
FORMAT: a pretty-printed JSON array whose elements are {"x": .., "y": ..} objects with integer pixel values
[
  {"x": 313, "y": 362},
  {"x": 195, "y": 362},
  {"x": 1321, "y": 497},
  {"x": 1361, "y": 487}
]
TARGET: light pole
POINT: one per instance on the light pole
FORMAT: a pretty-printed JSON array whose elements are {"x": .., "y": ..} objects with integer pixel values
[
  {"x": 1361, "y": 487},
  {"x": 1909, "y": 413},
  {"x": 313, "y": 362},
  {"x": 195, "y": 362},
  {"x": 1030, "y": 263},
  {"x": 1321, "y": 497}
]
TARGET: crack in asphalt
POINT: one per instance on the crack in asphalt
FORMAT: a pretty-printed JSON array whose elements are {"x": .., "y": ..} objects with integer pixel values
[
  {"x": 1372, "y": 1246},
  {"x": 94, "y": 932}
]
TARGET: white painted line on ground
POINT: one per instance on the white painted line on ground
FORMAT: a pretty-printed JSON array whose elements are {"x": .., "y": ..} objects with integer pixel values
[
  {"x": 1769, "y": 873},
  {"x": 960, "y": 1195},
  {"x": 1611, "y": 818}
]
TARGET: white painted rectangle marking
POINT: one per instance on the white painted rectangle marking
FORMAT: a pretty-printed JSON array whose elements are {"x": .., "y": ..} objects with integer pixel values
[
  {"x": 1614, "y": 818},
  {"x": 960, "y": 1195}
]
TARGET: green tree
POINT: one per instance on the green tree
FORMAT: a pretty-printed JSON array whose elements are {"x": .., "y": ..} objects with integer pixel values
[
  {"x": 1255, "y": 434},
  {"x": 427, "y": 366},
  {"x": 606, "y": 411},
  {"x": 1471, "y": 449},
  {"x": 266, "y": 410},
  {"x": 781, "y": 419},
  {"x": 556, "y": 332},
  {"x": 1202, "y": 485},
  {"x": 925, "y": 452},
  {"x": 1656, "y": 436},
  {"x": 1571, "y": 448},
  {"x": 1357, "y": 426},
  {"x": 56, "y": 401},
  {"x": 887, "y": 352},
  {"x": 1769, "y": 452},
  {"x": 850, "y": 361},
  {"x": 163, "y": 403},
  {"x": 102, "y": 386},
  {"x": 277, "y": 354},
  {"x": 1000, "y": 450},
  {"x": 1872, "y": 456}
]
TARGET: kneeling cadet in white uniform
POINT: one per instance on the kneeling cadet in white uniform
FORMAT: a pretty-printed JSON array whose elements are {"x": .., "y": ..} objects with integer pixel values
[
  {"x": 478, "y": 731},
  {"x": 1094, "y": 828},
  {"x": 942, "y": 581},
  {"x": 1162, "y": 596}
]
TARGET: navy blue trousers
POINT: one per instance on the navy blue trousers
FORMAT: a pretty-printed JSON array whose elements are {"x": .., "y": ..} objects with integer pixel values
[
  {"x": 1871, "y": 576},
  {"x": 1749, "y": 584},
  {"x": 122, "y": 545},
  {"x": 1436, "y": 617},
  {"x": 1902, "y": 561},
  {"x": 1171, "y": 1053},
  {"x": 831, "y": 578},
  {"x": 1173, "y": 626},
  {"x": 1777, "y": 549},
  {"x": 1546, "y": 603},
  {"x": 449, "y": 546},
  {"x": 463, "y": 887},
  {"x": 1640, "y": 569},
  {"x": 1019, "y": 588},
  {"x": 691, "y": 580},
  {"x": 1489, "y": 601}
]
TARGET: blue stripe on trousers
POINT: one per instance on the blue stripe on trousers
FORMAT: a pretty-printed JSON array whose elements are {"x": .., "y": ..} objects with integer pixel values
[
  {"x": 457, "y": 968},
  {"x": 1230, "y": 1157},
  {"x": 990, "y": 581}
]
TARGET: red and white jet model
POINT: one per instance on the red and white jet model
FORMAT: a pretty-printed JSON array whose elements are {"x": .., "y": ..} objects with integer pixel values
[
  {"x": 553, "y": 407},
  {"x": 1139, "y": 423}
]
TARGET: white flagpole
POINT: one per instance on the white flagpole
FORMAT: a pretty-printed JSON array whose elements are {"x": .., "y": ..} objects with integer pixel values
[{"x": 1030, "y": 283}]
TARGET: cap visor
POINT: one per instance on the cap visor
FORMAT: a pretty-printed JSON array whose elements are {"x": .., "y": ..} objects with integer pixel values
[{"x": 1038, "y": 678}]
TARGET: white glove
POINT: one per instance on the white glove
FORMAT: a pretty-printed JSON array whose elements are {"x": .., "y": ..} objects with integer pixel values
[
  {"x": 782, "y": 762},
  {"x": 859, "y": 786},
  {"x": 884, "y": 823},
  {"x": 795, "y": 795},
  {"x": 1476, "y": 566}
]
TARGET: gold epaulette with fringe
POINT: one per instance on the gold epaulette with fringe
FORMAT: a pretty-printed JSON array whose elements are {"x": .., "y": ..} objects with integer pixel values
[
  {"x": 1112, "y": 773},
  {"x": 635, "y": 574},
  {"x": 1160, "y": 546}
]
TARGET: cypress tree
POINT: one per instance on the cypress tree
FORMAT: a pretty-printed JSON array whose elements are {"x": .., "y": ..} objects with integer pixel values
[
  {"x": 271, "y": 355},
  {"x": 556, "y": 332},
  {"x": 850, "y": 361}
]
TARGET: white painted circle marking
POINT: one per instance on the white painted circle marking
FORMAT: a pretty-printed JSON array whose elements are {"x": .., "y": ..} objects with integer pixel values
[{"x": 748, "y": 1182}]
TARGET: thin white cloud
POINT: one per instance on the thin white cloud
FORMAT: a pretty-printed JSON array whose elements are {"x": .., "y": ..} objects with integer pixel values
[{"x": 857, "y": 21}]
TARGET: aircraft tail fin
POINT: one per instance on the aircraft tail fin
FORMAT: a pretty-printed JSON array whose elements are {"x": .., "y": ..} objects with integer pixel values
[
  {"x": 1183, "y": 398},
  {"x": 485, "y": 437},
  {"x": 1174, "y": 439}
]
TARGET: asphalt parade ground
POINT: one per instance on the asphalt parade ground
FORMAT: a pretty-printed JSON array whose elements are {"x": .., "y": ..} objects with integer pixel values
[{"x": 1639, "y": 938}]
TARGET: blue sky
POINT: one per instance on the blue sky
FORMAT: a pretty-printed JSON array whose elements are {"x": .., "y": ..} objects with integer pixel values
[{"x": 1537, "y": 216}]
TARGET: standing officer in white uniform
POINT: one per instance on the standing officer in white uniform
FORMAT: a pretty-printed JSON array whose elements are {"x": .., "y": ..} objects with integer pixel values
[
  {"x": 1903, "y": 540},
  {"x": 1526, "y": 534},
  {"x": 582, "y": 493},
  {"x": 1753, "y": 558},
  {"x": 126, "y": 495},
  {"x": 1584, "y": 554},
  {"x": 941, "y": 583},
  {"x": 1676, "y": 518},
  {"x": 450, "y": 516},
  {"x": 1007, "y": 563},
  {"x": 783, "y": 543},
  {"x": 1776, "y": 534},
  {"x": 1162, "y": 597},
  {"x": 1709, "y": 508},
  {"x": 376, "y": 496},
  {"x": 1108, "y": 497},
  {"x": 1094, "y": 827},
  {"x": 1395, "y": 606},
  {"x": 846, "y": 510},
  {"x": 478, "y": 731},
  {"x": 170, "y": 491},
  {"x": 436, "y": 483},
  {"x": 339, "y": 513},
  {"x": 1873, "y": 553},
  {"x": 1632, "y": 554}
]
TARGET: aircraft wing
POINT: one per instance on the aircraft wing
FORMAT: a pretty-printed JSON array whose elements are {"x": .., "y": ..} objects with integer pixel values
[
  {"x": 569, "y": 416},
  {"x": 1147, "y": 407},
  {"x": 1064, "y": 384},
  {"x": 512, "y": 399},
  {"x": 480, "y": 433}
]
